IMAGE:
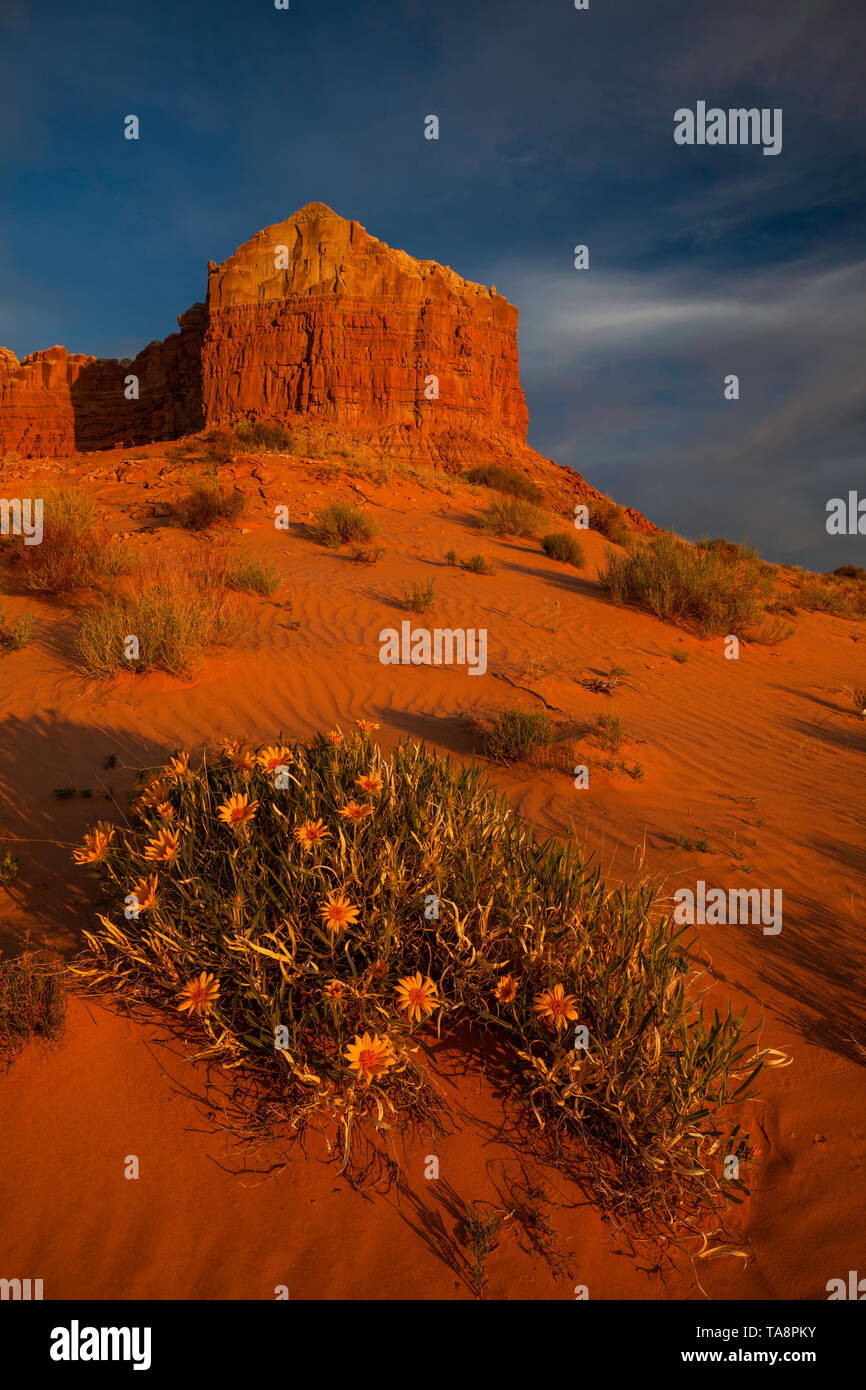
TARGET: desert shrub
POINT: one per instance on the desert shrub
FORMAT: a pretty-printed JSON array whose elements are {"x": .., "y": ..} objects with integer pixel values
[
  {"x": 10, "y": 867},
  {"x": 208, "y": 504},
  {"x": 176, "y": 616},
  {"x": 452, "y": 557},
  {"x": 294, "y": 908},
  {"x": 510, "y": 518},
  {"x": 502, "y": 479},
  {"x": 850, "y": 572},
  {"x": 254, "y": 577},
  {"x": 609, "y": 519},
  {"x": 257, "y": 436},
  {"x": 341, "y": 522},
  {"x": 361, "y": 554},
  {"x": 478, "y": 564},
  {"x": 679, "y": 655},
  {"x": 859, "y": 700},
  {"x": 697, "y": 589},
  {"x": 563, "y": 546},
  {"x": 32, "y": 1001},
  {"x": 610, "y": 732},
  {"x": 75, "y": 552},
  {"x": 15, "y": 635},
  {"x": 419, "y": 598},
  {"x": 514, "y": 734},
  {"x": 842, "y": 600}
]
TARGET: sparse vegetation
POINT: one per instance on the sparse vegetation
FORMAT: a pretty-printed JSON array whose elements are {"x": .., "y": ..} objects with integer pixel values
[
  {"x": 610, "y": 732},
  {"x": 478, "y": 564},
  {"x": 510, "y": 518},
  {"x": 503, "y": 479},
  {"x": 10, "y": 867},
  {"x": 419, "y": 598},
  {"x": 482, "y": 1230},
  {"x": 696, "y": 588},
  {"x": 75, "y": 553},
  {"x": 342, "y": 522},
  {"x": 175, "y": 616},
  {"x": 606, "y": 684},
  {"x": 859, "y": 700},
  {"x": 609, "y": 519},
  {"x": 15, "y": 635},
  {"x": 515, "y": 734},
  {"x": 254, "y": 577},
  {"x": 564, "y": 547},
  {"x": 303, "y": 909},
  {"x": 677, "y": 654},
  {"x": 207, "y": 505},
  {"x": 366, "y": 554},
  {"x": 32, "y": 1001}
]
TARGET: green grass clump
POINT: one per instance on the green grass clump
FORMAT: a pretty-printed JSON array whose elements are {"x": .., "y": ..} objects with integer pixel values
[
  {"x": 32, "y": 1001},
  {"x": 510, "y": 518},
  {"x": 208, "y": 504},
  {"x": 563, "y": 546},
  {"x": 698, "y": 589},
  {"x": 522, "y": 924},
  {"x": 176, "y": 617},
  {"x": 14, "y": 636},
  {"x": 516, "y": 734},
  {"x": 75, "y": 552},
  {"x": 419, "y": 598},
  {"x": 341, "y": 522},
  {"x": 610, "y": 732},
  {"x": 502, "y": 479},
  {"x": 254, "y": 577}
]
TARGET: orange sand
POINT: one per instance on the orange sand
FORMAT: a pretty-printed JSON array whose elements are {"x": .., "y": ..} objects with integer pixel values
[{"x": 724, "y": 744}]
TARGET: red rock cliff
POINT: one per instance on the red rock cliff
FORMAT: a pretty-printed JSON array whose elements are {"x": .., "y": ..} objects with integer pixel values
[
  {"x": 315, "y": 318},
  {"x": 312, "y": 319}
]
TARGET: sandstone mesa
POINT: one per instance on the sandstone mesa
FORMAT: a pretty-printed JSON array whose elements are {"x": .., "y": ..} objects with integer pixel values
[{"x": 311, "y": 322}]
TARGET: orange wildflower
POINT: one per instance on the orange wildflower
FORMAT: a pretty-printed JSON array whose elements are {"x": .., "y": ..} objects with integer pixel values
[
  {"x": 163, "y": 846},
  {"x": 370, "y": 1056},
  {"x": 338, "y": 912},
  {"x": 199, "y": 994},
  {"x": 238, "y": 810},
  {"x": 370, "y": 782},
  {"x": 355, "y": 811},
  {"x": 272, "y": 758},
  {"x": 416, "y": 997},
  {"x": 506, "y": 990},
  {"x": 555, "y": 1006},
  {"x": 145, "y": 892},
  {"x": 96, "y": 843},
  {"x": 312, "y": 832}
]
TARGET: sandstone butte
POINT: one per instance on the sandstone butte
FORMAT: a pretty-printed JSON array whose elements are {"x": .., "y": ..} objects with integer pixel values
[{"x": 312, "y": 323}]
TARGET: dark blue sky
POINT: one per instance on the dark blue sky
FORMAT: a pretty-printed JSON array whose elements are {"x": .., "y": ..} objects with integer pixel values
[{"x": 556, "y": 129}]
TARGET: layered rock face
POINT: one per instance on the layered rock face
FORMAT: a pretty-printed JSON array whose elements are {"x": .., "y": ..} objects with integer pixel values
[
  {"x": 315, "y": 318},
  {"x": 312, "y": 320},
  {"x": 55, "y": 403}
]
